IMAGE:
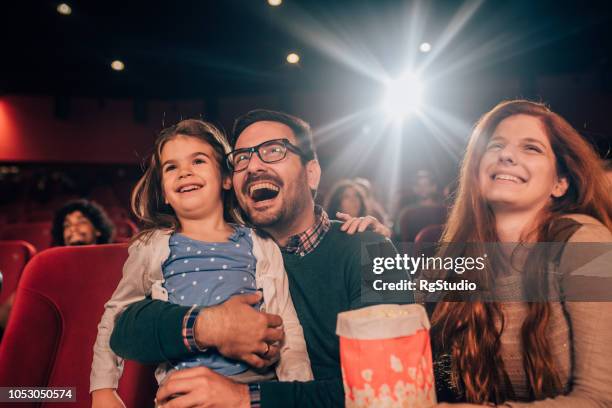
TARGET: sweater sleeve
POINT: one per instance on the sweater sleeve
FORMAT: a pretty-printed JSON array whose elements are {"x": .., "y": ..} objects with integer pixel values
[
  {"x": 149, "y": 331},
  {"x": 591, "y": 330},
  {"x": 318, "y": 393}
]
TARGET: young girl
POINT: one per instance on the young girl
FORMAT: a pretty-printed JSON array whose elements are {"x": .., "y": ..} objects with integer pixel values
[
  {"x": 528, "y": 177},
  {"x": 189, "y": 254}
]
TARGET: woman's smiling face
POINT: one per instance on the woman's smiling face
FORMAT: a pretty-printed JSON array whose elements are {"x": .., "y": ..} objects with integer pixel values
[{"x": 518, "y": 169}]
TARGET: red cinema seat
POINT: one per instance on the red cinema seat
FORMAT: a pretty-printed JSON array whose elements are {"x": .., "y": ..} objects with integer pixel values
[
  {"x": 426, "y": 240},
  {"x": 49, "y": 339},
  {"x": 431, "y": 233},
  {"x": 414, "y": 219},
  {"x": 36, "y": 233},
  {"x": 14, "y": 255}
]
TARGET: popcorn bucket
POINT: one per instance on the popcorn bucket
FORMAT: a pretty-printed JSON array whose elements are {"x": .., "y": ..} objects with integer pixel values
[{"x": 385, "y": 354}]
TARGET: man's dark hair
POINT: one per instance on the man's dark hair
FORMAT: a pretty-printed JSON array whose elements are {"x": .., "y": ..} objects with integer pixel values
[
  {"x": 300, "y": 128},
  {"x": 89, "y": 209}
]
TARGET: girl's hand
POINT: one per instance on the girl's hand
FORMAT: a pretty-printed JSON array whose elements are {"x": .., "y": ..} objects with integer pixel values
[
  {"x": 360, "y": 224},
  {"x": 106, "y": 398}
]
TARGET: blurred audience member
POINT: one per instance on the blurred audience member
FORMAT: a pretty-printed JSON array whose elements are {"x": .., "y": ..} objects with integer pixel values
[
  {"x": 347, "y": 201},
  {"x": 426, "y": 209},
  {"x": 78, "y": 222},
  {"x": 376, "y": 209},
  {"x": 348, "y": 197},
  {"x": 81, "y": 222},
  {"x": 426, "y": 189}
]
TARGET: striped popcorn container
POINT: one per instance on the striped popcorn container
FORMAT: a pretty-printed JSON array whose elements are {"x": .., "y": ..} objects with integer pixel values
[{"x": 385, "y": 354}]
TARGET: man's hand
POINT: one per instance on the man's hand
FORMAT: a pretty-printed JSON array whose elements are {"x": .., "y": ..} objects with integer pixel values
[
  {"x": 106, "y": 398},
  {"x": 203, "y": 388},
  {"x": 360, "y": 224},
  {"x": 240, "y": 332}
]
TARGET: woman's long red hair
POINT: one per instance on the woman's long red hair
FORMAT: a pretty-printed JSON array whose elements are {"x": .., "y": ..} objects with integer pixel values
[{"x": 468, "y": 330}]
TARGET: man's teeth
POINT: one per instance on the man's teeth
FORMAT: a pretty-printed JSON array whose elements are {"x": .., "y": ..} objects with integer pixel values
[
  {"x": 507, "y": 177},
  {"x": 259, "y": 186},
  {"x": 192, "y": 187}
]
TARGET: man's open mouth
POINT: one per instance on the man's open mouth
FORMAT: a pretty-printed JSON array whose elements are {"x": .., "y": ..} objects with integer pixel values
[{"x": 261, "y": 191}]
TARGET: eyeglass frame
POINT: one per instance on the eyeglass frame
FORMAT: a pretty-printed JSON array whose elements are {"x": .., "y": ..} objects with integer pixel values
[{"x": 255, "y": 149}]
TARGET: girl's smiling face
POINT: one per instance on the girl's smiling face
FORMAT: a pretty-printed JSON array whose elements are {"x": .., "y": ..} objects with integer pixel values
[
  {"x": 191, "y": 177},
  {"x": 518, "y": 169}
]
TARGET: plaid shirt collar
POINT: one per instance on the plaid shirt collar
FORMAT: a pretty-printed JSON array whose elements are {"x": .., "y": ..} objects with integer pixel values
[{"x": 305, "y": 242}]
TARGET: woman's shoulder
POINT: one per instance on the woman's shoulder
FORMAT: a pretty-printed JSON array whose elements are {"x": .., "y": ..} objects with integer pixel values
[{"x": 590, "y": 229}]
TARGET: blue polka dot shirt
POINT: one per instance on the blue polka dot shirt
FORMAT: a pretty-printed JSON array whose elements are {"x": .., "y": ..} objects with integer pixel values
[{"x": 206, "y": 274}]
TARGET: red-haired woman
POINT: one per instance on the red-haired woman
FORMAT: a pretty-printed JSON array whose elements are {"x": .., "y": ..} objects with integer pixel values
[{"x": 527, "y": 177}]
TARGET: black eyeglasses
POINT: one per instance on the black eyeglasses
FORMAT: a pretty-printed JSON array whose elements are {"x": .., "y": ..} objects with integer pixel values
[{"x": 270, "y": 151}]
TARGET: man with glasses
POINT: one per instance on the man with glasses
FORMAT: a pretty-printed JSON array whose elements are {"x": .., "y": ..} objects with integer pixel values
[{"x": 275, "y": 178}]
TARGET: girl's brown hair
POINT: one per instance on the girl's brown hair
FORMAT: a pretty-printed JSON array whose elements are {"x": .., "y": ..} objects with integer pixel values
[
  {"x": 468, "y": 330},
  {"x": 147, "y": 199}
]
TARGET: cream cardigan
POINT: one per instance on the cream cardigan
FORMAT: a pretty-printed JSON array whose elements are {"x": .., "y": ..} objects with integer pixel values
[{"x": 142, "y": 277}]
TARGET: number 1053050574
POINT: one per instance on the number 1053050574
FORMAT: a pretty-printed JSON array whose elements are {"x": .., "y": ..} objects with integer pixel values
[{"x": 37, "y": 394}]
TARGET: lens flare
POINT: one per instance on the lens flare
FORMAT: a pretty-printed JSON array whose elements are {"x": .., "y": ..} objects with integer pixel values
[{"x": 403, "y": 96}]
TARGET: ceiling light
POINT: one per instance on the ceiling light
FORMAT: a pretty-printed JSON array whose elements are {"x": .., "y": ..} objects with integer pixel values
[
  {"x": 275, "y": 3},
  {"x": 425, "y": 47},
  {"x": 117, "y": 65},
  {"x": 293, "y": 58},
  {"x": 64, "y": 9}
]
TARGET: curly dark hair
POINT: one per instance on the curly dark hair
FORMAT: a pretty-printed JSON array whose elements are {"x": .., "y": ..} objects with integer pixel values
[{"x": 89, "y": 209}]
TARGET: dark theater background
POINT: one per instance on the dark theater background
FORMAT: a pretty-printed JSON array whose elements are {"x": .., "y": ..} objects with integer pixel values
[{"x": 391, "y": 88}]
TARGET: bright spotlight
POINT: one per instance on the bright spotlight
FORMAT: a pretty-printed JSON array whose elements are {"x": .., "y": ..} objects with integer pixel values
[
  {"x": 425, "y": 47},
  {"x": 293, "y": 58},
  {"x": 275, "y": 3},
  {"x": 117, "y": 65},
  {"x": 64, "y": 9},
  {"x": 403, "y": 96}
]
